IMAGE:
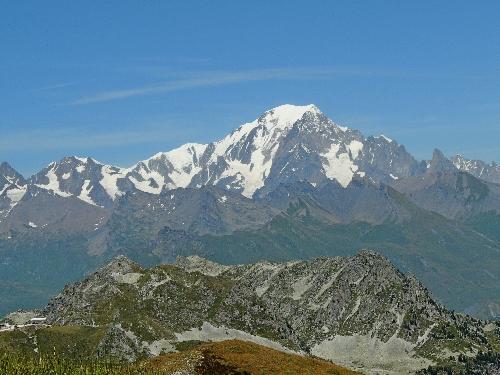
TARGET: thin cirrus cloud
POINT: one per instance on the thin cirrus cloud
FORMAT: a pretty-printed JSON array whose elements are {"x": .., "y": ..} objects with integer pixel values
[
  {"x": 220, "y": 78},
  {"x": 57, "y": 86}
]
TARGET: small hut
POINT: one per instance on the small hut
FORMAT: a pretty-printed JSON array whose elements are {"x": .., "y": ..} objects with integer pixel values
[{"x": 37, "y": 320}]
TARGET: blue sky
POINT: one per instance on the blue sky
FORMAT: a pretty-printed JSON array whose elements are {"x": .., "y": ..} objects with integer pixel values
[{"x": 122, "y": 80}]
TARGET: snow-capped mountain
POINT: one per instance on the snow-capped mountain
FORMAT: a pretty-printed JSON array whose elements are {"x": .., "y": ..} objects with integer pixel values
[
  {"x": 9, "y": 177},
  {"x": 84, "y": 178},
  {"x": 296, "y": 143},
  {"x": 478, "y": 168},
  {"x": 169, "y": 170},
  {"x": 12, "y": 188},
  {"x": 285, "y": 144}
]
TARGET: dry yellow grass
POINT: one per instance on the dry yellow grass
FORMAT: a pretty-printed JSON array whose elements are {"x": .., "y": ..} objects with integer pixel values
[{"x": 234, "y": 357}]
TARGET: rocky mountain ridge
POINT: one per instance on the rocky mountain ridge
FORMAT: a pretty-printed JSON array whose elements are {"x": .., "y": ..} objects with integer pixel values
[
  {"x": 478, "y": 168},
  {"x": 284, "y": 145},
  {"x": 333, "y": 308},
  {"x": 449, "y": 191},
  {"x": 287, "y": 143}
]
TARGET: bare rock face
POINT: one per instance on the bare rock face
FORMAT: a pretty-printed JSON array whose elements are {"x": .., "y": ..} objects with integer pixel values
[
  {"x": 359, "y": 311},
  {"x": 195, "y": 263},
  {"x": 449, "y": 191}
]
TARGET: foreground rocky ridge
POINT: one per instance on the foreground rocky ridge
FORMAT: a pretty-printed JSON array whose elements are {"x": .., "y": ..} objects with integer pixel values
[{"x": 360, "y": 311}]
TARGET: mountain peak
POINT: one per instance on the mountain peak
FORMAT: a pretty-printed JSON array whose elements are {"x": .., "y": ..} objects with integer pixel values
[
  {"x": 440, "y": 163},
  {"x": 181, "y": 155},
  {"x": 385, "y": 138},
  {"x": 70, "y": 160},
  {"x": 10, "y": 174},
  {"x": 286, "y": 115},
  {"x": 4, "y": 164},
  {"x": 6, "y": 169},
  {"x": 121, "y": 264},
  {"x": 292, "y": 112}
]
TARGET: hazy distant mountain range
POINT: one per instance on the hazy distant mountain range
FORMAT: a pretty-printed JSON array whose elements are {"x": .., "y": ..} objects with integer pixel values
[{"x": 290, "y": 185}]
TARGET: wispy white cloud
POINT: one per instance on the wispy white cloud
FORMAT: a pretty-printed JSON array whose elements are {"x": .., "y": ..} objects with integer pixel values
[
  {"x": 57, "y": 86},
  {"x": 219, "y": 78}
]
